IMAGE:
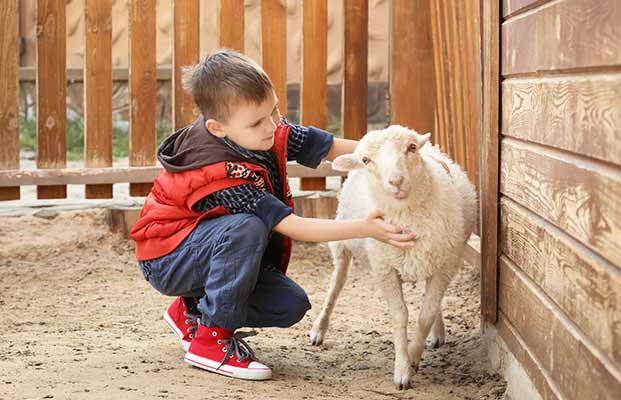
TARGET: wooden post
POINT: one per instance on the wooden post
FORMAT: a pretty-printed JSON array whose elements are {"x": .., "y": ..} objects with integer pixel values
[
  {"x": 9, "y": 92},
  {"x": 51, "y": 92},
  {"x": 232, "y": 24},
  {"x": 142, "y": 90},
  {"x": 489, "y": 161},
  {"x": 274, "y": 47},
  {"x": 355, "y": 82},
  {"x": 412, "y": 88},
  {"x": 314, "y": 89},
  {"x": 186, "y": 27},
  {"x": 98, "y": 92}
]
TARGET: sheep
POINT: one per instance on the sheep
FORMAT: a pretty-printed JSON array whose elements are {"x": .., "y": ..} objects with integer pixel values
[{"x": 418, "y": 187}]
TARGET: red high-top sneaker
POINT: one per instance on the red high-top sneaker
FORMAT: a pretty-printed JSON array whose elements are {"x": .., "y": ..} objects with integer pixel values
[
  {"x": 219, "y": 350},
  {"x": 181, "y": 322}
]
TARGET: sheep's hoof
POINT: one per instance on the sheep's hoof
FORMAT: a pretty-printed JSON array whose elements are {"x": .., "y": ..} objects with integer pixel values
[
  {"x": 403, "y": 384},
  {"x": 437, "y": 342},
  {"x": 316, "y": 338}
]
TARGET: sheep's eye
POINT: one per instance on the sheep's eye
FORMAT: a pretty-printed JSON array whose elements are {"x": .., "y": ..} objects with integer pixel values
[
  {"x": 412, "y": 147},
  {"x": 365, "y": 160}
]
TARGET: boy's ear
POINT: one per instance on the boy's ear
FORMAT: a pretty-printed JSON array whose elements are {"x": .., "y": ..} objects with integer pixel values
[
  {"x": 215, "y": 128},
  {"x": 347, "y": 162}
]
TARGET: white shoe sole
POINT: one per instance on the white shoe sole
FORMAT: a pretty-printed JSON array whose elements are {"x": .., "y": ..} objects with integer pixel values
[
  {"x": 253, "y": 374},
  {"x": 184, "y": 343}
]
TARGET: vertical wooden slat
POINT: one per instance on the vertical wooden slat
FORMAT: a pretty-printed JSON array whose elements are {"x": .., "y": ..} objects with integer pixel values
[
  {"x": 439, "y": 59},
  {"x": 355, "y": 82},
  {"x": 412, "y": 99},
  {"x": 489, "y": 161},
  {"x": 186, "y": 49},
  {"x": 456, "y": 39},
  {"x": 9, "y": 92},
  {"x": 274, "y": 47},
  {"x": 232, "y": 24},
  {"x": 314, "y": 88},
  {"x": 98, "y": 91},
  {"x": 51, "y": 92},
  {"x": 142, "y": 90}
]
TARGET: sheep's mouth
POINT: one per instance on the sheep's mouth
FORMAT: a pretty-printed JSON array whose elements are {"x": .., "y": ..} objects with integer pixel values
[{"x": 400, "y": 195}]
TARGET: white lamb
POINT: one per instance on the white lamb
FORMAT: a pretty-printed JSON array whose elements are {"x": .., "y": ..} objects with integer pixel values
[{"x": 418, "y": 187}]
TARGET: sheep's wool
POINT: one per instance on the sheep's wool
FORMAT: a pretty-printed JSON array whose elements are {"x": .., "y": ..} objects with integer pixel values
[{"x": 440, "y": 208}]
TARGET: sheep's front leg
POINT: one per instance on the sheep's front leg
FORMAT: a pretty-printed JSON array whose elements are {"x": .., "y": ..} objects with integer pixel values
[
  {"x": 393, "y": 293},
  {"x": 429, "y": 312},
  {"x": 342, "y": 258}
]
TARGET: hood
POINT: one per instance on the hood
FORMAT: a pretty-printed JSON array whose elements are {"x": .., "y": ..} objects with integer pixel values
[{"x": 192, "y": 147}]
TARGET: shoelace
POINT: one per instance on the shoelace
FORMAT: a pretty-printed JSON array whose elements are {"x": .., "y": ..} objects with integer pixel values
[
  {"x": 238, "y": 346},
  {"x": 194, "y": 319}
]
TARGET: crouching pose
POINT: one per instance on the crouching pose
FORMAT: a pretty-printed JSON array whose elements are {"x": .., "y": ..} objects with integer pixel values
[
  {"x": 216, "y": 229},
  {"x": 418, "y": 187}
]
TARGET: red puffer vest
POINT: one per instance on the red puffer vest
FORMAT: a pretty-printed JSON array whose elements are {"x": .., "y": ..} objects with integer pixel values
[{"x": 167, "y": 216}]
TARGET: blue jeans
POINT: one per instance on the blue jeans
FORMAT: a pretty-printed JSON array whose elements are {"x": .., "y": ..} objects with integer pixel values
[{"x": 220, "y": 263}]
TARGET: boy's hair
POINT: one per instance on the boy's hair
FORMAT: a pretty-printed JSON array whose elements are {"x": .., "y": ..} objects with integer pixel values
[{"x": 224, "y": 78}]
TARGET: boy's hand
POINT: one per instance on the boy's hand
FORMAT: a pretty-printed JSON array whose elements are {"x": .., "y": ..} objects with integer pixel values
[{"x": 384, "y": 232}]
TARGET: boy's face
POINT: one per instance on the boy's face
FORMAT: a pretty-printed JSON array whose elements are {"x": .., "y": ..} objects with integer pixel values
[{"x": 250, "y": 125}]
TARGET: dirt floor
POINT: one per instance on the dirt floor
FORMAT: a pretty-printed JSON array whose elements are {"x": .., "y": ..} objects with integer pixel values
[{"x": 79, "y": 322}]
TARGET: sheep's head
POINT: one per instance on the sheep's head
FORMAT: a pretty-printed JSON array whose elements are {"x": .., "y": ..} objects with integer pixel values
[{"x": 391, "y": 158}]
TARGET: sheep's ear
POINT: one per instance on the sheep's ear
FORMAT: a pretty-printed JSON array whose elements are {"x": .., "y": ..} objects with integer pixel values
[
  {"x": 346, "y": 162},
  {"x": 423, "y": 139}
]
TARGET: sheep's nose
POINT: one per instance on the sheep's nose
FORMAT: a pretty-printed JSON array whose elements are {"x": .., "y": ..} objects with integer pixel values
[{"x": 396, "y": 181}]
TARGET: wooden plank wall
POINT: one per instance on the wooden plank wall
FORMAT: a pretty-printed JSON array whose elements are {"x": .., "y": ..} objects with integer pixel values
[
  {"x": 9, "y": 93},
  {"x": 560, "y": 185},
  {"x": 232, "y": 24}
]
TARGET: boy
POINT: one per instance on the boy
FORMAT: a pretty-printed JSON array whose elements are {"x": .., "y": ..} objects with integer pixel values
[{"x": 216, "y": 229}]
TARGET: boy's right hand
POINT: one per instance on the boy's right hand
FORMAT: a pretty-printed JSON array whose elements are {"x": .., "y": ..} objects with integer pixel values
[{"x": 384, "y": 232}]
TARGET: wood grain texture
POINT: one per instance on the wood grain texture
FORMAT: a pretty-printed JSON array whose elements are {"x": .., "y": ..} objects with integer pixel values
[
  {"x": 513, "y": 7},
  {"x": 578, "y": 113},
  {"x": 51, "y": 92},
  {"x": 576, "y": 367},
  {"x": 489, "y": 163},
  {"x": 581, "y": 197},
  {"x": 274, "y": 47},
  {"x": 456, "y": 41},
  {"x": 142, "y": 89},
  {"x": 583, "y": 285},
  {"x": 412, "y": 88},
  {"x": 564, "y": 35},
  {"x": 232, "y": 24},
  {"x": 98, "y": 91},
  {"x": 314, "y": 88},
  {"x": 524, "y": 355},
  {"x": 186, "y": 49},
  {"x": 9, "y": 92},
  {"x": 355, "y": 67}
]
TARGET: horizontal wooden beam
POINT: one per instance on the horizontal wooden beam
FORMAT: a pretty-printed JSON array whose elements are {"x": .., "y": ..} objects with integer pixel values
[
  {"x": 163, "y": 73},
  {"x": 79, "y": 176}
]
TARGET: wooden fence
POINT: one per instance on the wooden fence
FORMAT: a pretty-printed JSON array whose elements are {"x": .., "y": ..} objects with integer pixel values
[{"x": 434, "y": 66}]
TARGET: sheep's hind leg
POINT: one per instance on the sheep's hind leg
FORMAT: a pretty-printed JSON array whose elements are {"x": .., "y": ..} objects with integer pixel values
[
  {"x": 437, "y": 331},
  {"x": 393, "y": 293},
  {"x": 429, "y": 312},
  {"x": 342, "y": 257}
]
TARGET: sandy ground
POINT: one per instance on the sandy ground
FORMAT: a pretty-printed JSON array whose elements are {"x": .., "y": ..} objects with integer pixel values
[{"x": 79, "y": 322}]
